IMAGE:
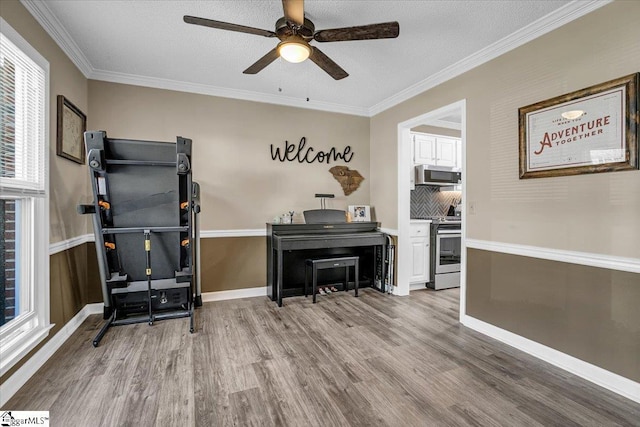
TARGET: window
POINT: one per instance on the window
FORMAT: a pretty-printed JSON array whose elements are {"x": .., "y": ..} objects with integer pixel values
[{"x": 24, "y": 202}]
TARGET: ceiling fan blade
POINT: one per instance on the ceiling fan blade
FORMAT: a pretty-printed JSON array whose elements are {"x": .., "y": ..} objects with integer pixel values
[
  {"x": 227, "y": 26},
  {"x": 294, "y": 11},
  {"x": 385, "y": 30},
  {"x": 261, "y": 63},
  {"x": 327, "y": 64}
]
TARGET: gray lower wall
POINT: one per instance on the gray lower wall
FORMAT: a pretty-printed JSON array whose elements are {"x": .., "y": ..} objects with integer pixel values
[{"x": 587, "y": 312}]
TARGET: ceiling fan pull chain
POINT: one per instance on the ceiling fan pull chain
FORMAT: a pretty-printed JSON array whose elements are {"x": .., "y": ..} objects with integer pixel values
[
  {"x": 280, "y": 75},
  {"x": 307, "y": 78}
]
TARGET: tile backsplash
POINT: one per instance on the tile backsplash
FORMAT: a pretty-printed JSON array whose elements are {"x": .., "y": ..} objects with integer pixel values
[{"x": 427, "y": 200}]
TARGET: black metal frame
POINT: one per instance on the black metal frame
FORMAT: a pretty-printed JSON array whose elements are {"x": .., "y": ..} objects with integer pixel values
[
  {"x": 124, "y": 303},
  {"x": 330, "y": 263}
]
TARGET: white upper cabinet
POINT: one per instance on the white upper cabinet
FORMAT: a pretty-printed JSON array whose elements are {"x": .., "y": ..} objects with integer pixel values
[
  {"x": 436, "y": 150},
  {"x": 447, "y": 152},
  {"x": 424, "y": 149}
]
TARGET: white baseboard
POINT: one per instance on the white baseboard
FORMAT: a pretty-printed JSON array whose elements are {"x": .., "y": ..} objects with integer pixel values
[
  {"x": 31, "y": 366},
  {"x": 614, "y": 382},
  {"x": 609, "y": 380},
  {"x": 234, "y": 294},
  {"x": 417, "y": 286}
]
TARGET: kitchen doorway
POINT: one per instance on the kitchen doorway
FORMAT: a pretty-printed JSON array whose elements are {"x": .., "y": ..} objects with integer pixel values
[{"x": 452, "y": 116}]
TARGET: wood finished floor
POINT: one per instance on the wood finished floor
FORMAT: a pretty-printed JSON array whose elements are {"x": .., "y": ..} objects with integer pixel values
[{"x": 368, "y": 361}]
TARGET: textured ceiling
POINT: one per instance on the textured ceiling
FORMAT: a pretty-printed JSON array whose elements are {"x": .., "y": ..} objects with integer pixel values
[{"x": 147, "y": 42}]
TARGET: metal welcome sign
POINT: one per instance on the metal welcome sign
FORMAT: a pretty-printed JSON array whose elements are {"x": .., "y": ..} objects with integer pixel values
[{"x": 299, "y": 153}]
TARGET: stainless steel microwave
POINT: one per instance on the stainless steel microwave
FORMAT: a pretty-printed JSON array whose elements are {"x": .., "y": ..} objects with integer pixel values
[{"x": 437, "y": 175}]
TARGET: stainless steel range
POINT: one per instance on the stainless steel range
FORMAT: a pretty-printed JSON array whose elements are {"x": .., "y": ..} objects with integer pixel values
[{"x": 446, "y": 244}]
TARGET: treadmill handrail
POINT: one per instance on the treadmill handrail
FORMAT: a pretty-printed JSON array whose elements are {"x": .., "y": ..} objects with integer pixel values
[
  {"x": 125, "y": 230},
  {"x": 138, "y": 162}
]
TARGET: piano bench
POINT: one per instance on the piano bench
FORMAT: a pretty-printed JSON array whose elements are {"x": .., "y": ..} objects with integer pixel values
[{"x": 325, "y": 263}]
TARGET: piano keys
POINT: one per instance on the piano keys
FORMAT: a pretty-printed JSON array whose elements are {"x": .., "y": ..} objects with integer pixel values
[{"x": 289, "y": 245}]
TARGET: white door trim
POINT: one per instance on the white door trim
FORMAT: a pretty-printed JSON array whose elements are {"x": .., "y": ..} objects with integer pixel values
[{"x": 404, "y": 165}]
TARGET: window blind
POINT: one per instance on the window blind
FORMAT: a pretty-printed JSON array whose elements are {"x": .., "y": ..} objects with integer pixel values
[{"x": 22, "y": 127}]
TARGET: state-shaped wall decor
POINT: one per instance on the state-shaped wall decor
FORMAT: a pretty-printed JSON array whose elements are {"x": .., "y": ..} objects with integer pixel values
[{"x": 349, "y": 179}]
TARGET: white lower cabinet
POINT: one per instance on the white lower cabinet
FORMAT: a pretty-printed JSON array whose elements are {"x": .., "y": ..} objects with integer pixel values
[{"x": 419, "y": 253}]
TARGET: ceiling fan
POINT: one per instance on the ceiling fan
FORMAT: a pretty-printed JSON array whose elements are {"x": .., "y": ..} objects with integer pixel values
[{"x": 295, "y": 32}]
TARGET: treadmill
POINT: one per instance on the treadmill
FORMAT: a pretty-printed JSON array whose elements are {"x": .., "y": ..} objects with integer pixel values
[{"x": 145, "y": 220}]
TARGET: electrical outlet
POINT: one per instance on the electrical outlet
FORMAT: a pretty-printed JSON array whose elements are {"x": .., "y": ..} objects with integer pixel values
[{"x": 472, "y": 208}]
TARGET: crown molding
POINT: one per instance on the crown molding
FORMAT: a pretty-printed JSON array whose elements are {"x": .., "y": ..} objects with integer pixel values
[
  {"x": 41, "y": 12},
  {"x": 544, "y": 25},
  {"x": 246, "y": 95},
  {"x": 550, "y": 22}
]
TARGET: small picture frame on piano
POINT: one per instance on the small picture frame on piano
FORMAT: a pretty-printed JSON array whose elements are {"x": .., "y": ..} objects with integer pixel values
[{"x": 360, "y": 213}]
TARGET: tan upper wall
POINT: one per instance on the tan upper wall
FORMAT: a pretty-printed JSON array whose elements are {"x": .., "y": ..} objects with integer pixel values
[
  {"x": 595, "y": 213},
  {"x": 242, "y": 187},
  {"x": 68, "y": 183}
]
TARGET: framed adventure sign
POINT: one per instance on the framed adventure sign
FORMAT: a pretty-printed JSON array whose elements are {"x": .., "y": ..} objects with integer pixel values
[
  {"x": 587, "y": 131},
  {"x": 72, "y": 123}
]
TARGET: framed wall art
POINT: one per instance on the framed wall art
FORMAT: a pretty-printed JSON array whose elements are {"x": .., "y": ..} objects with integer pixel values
[
  {"x": 587, "y": 131},
  {"x": 360, "y": 213},
  {"x": 72, "y": 123}
]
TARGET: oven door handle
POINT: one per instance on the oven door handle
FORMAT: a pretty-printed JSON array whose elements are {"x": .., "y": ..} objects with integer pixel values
[{"x": 449, "y": 232}]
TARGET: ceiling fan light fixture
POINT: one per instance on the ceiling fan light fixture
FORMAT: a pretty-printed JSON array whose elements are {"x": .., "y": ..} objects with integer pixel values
[{"x": 294, "y": 49}]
